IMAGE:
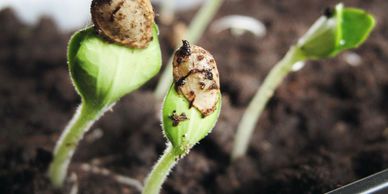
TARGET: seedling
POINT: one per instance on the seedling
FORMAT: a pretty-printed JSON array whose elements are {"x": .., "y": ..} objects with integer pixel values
[
  {"x": 190, "y": 110},
  {"x": 195, "y": 31},
  {"x": 339, "y": 29},
  {"x": 103, "y": 70}
]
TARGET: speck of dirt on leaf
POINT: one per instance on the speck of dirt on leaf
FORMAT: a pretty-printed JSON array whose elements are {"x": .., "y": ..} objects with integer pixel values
[{"x": 176, "y": 119}]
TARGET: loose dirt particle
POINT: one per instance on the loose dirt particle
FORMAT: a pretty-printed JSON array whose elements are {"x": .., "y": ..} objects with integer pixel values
[{"x": 176, "y": 119}]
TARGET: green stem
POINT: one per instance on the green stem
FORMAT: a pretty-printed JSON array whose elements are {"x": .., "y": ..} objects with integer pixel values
[
  {"x": 256, "y": 106},
  {"x": 202, "y": 20},
  {"x": 66, "y": 145},
  {"x": 160, "y": 171},
  {"x": 167, "y": 11},
  {"x": 195, "y": 31}
]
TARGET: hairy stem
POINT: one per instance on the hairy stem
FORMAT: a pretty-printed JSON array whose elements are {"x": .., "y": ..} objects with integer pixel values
[
  {"x": 195, "y": 31},
  {"x": 66, "y": 145},
  {"x": 256, "y": 106},
  {"x": 160, "y": 171}
]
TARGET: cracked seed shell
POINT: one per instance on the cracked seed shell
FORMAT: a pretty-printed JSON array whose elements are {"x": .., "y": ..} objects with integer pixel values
[
  {"x": 196, "y": 77},
  {"x": 126, "y": 22}
]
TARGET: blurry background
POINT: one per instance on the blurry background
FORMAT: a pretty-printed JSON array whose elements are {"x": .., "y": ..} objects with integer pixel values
[
  {"x": 69, "y": 14},
  {"x": 326, "y": 126}
]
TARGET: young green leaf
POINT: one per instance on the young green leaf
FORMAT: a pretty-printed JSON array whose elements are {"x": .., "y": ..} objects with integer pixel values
[
  {"x": 184, "y": 126},
  {"x": 103, "y": 72},
  {"x": 339, "y": 29},
  {"x": 355, "y": 28}
]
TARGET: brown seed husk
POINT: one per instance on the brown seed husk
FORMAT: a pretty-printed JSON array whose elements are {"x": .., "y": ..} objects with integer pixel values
[
  {"x": 126, "y": 22},
  {"x": 196, "y": 77}
]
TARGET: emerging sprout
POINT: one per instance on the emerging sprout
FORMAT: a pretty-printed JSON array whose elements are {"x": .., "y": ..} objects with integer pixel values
[
  {"x": 183, "y": 124},
  {"x": 102, "y": 73},
  {"x": 127, "y": 22},
  {"x": 337, "y": 30}
]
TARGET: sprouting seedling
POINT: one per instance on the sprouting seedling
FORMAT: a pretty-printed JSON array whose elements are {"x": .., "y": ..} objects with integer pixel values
[
  {"x": 103, "y": 70},
  {"x": 190, "y": 110},
  {"x": 337, "y": 30}
]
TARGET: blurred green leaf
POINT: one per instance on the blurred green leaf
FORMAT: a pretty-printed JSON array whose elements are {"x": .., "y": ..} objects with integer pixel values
[
  {"x": 103, "y": 72},
  {"x": 347, "y": 28},
  {"x": 355, "y": 28}
]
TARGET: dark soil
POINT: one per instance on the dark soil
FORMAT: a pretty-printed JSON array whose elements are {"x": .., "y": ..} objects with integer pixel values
[{"x": 326, "y": 126}]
